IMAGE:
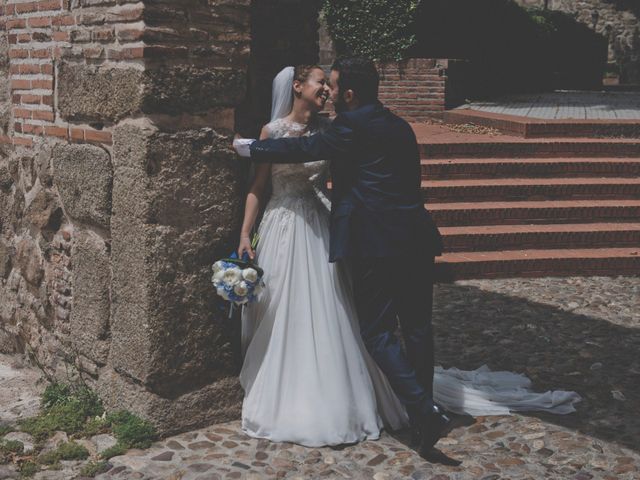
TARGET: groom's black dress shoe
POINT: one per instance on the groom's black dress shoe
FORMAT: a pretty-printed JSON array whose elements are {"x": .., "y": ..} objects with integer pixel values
[
  {"x": 436, "y": 456},
  {"x": 433, "y": 426}
]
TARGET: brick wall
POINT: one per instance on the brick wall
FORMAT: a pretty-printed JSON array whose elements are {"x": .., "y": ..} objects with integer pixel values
[
  {"x": 414, "y": 89},
  {"x": 41, "y": 34}
]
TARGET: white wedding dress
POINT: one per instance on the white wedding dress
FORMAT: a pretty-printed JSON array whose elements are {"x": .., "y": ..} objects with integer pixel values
[{"x": 307, "y": 376}]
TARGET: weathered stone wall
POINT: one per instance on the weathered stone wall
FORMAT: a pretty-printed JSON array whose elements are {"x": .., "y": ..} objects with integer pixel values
[
  {"x": 618, "y": 20},
  {"x": 118, "y": 189}
]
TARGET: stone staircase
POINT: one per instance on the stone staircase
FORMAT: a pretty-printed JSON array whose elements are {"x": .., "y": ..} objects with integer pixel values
[{"x": 515, "y": 207}]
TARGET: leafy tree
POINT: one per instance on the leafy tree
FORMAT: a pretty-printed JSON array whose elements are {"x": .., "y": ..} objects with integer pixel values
[{"x": 377, "y": 29}]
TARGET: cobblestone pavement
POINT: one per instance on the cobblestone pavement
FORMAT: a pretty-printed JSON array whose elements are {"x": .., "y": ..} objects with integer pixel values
[{"x": 578, "y": 334}]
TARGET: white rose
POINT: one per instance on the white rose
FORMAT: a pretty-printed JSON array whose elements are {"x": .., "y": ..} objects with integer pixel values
[
  {"x": 250, "y": 275},
  {"x": 218, "y": 277},
  {"x": 232, "y": 276},
  {"x": 223, "y": 293},
  {"x": 217, "y": 267},
  {"x": 241, "y": 289}
]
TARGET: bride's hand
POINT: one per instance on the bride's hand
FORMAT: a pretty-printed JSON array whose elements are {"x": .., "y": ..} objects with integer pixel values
[{"x": 245, "y": 246}]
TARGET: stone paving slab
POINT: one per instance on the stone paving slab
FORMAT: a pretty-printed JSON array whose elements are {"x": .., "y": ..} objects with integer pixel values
[
  {"x": 16, "y": 376},
  {"x": 565, "y": 105}
]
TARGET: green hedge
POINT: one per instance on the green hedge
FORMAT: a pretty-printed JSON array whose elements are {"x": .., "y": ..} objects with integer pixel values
[{"x": 378, "y": 29}]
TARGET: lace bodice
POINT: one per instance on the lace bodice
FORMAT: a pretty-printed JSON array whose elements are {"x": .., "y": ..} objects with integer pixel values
[{"x": 301, "y": 180}]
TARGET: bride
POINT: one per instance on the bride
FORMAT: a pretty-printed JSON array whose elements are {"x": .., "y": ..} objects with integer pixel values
[{"x": 307, "y": 375}]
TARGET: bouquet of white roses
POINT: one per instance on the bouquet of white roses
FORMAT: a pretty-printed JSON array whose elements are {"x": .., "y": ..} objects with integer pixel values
[{"x": 238, "y": 280}]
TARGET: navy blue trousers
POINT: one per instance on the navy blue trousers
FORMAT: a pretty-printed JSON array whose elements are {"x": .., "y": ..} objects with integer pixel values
[{"x": 392, "y": 291}]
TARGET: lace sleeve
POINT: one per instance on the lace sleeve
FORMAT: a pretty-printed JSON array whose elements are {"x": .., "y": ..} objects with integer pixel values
[{"x": 275, "y": 128}]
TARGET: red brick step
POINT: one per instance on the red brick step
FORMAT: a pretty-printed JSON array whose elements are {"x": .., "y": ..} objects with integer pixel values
[
  {"x": 554, "y": 236},
  {"x": 532, "y": 148},
  {"x": 530, "y": 189},
  {"x": 538, "y": 263},
  {"x": 539, "y": 212},
  {"x": 457, "y": 168}
]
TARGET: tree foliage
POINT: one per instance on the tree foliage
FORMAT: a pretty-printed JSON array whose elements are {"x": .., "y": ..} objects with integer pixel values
[{"x": 377, "y": 29}]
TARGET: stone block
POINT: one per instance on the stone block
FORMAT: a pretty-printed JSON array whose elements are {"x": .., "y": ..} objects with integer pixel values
[
  {"x": 176, "y": 209},
  {"x": 42, "y": 162},
  {"x": 89, "y": 93},
  {"x": 6, "y": 253},
  {"x": 91, "y": 298},
  {"x": 6, "y": 180},
  {"x": 83, "y": 175},
  {"x": 43, "y": 209},
  {"x": 191, "y": 89},
  {"x": 216, "y": 402},
  {"x": 29, "y": 260}
]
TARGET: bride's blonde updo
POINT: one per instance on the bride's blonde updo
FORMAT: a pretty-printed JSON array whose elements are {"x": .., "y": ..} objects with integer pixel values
[{"x": 301, "y": 72}]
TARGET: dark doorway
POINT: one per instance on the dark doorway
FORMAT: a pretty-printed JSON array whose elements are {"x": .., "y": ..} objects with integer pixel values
[{"x": 283, "y": 32}]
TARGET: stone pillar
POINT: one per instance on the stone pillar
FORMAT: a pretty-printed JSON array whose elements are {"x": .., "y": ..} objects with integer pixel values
[
  {"x": 176, "y": 208},
  {"x": 118, "y": 190}
]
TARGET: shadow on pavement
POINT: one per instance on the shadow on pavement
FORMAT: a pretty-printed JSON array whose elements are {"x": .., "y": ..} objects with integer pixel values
[{"x": 556, "y": 349}]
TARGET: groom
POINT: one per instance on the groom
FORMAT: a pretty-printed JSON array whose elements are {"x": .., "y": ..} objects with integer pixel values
[{"x": 379, "y": 230}]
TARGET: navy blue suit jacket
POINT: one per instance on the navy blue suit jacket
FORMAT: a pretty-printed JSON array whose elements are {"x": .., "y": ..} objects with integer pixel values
[{"x": 377, "y": 208}]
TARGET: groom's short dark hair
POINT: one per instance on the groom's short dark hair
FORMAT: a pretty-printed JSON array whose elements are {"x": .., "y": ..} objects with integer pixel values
[{"x": 360, "y": 75}]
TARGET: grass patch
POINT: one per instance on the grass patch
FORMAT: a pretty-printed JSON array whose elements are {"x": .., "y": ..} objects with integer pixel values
[
  {"x": 59, "y": 417},
  {"x": 94, "y": 426},
  {"x": 66, "y": 451},
  {"x": 28, "y": 469},
  {"x": 4, "y": 429},
  {"x": 92, "y": 469},
  {"x": 77, "y": 411},
  {"x": 9, "y": 449},
  {"x": 11, "y": 446},
  {"x": 131, "y": 430},
  {"x": 65, "y": 408},
  {"x": 80, "y": 395},
  {"x": 117, "y": 449}
]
